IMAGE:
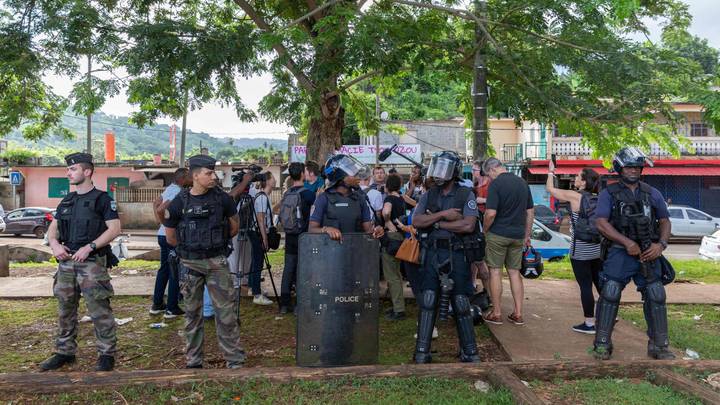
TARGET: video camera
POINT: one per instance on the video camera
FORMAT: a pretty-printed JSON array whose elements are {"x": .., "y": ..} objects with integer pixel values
[{"x": 239, "y": 173}]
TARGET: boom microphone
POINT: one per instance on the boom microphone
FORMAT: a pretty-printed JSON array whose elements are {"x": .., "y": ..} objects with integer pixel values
[{"x": 386, "y": 153}]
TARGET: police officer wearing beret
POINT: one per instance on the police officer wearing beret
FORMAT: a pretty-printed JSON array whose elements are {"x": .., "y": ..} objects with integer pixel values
[
  {"x": 200, "y": 222},
  {"x": 634, "y": 219},
  {"x": 79, "y": 236}
]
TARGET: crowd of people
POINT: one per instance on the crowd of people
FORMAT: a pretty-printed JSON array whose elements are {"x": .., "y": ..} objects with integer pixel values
[{"x": 214, "y": 242}]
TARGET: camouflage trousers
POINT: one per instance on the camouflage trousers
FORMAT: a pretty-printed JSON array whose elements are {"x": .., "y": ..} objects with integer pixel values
[
  {"x": 194, "y": 275},
  {"x": 91, "y": 279}
]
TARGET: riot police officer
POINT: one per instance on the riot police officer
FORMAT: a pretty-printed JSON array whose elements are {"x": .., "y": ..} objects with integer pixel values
[
  {"x": 79, "y": 236},
  {"x": 633, "y": 217},
  {"x": 342, "y": 207},
  {"x": 200, "y": 222},
  {"x": 444, "y": 215}
]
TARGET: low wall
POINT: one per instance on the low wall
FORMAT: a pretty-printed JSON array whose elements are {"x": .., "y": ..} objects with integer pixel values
[{"x": 137, "y": 215}]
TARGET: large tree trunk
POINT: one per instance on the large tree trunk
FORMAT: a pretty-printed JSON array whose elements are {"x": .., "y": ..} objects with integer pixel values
[{"x": 325, "y": 130}]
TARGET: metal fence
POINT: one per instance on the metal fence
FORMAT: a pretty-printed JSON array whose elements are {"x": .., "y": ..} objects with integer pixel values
[{"x": 137, "y": 195}]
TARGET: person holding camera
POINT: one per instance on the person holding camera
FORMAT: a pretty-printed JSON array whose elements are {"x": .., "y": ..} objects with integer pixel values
[
  {"x": 200, "y": 222},
  {"x": 259, "y": 235},
  {"x": 584, "y": 252}
]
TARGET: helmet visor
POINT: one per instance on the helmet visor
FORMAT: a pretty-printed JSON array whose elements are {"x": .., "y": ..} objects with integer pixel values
[
  {"x": 633, "y": 157},
  {"x": 441, "y": 168},
  {"x": 352, "y": 167}
]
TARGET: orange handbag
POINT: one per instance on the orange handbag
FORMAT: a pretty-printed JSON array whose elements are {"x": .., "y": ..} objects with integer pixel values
[{"x": 409, "y": 251}]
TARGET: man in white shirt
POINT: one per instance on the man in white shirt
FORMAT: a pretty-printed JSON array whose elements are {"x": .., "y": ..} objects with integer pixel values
[
  {"x": 165, "y": 276},
  {"x": 374, "y": 196}
]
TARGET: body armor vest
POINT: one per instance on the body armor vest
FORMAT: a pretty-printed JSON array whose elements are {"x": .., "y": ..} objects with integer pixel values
[
  {"x": 433, "y": 205},
  {"x": 203, "y": 231},
  {"x": 79, "y": 221},
  {"x": 344, "y": 213},
  {"x": 634, "y": 216}
]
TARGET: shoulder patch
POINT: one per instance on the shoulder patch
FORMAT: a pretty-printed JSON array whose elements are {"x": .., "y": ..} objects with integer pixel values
[
  {"x": 472, "y": 204},
  {"x": 113, "y": 205}
]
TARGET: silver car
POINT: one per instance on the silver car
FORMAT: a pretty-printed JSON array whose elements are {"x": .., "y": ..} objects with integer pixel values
[{"x": 688, "y": 222}]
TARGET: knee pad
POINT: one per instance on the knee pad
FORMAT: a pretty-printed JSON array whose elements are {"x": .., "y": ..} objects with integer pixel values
[
  {"x": 612, "y": 291},
  {"x": 461, "y": 305},
  {"x": 655, "y": 293},
  {"x": 428, "y": 300}
]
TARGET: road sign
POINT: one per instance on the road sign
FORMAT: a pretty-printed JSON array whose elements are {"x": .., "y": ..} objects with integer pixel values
[{"x": 15, "y": 178}]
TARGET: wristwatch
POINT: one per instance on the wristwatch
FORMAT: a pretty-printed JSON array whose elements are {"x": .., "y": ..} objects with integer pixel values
[
  {"x": 664, "y": 244},
  {"x": 436, "y": 225},
  {"x": 92, "y": 245}
]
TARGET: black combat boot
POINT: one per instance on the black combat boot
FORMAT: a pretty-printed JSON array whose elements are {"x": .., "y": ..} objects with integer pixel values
[
  {"x": 56, "y": 361},
  {"x": 105, "y": 363},
  {"x": 465, "y": 330},
  {"x": 426, "y": 323}
]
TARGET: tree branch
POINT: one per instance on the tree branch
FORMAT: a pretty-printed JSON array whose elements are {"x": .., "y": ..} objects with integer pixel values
[
  {"x": 278, "y": 47},
  {"x": 313, "y": 12}
]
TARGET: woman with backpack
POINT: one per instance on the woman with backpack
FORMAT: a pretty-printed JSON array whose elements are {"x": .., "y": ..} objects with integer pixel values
[{"x": 585, "y": 245}]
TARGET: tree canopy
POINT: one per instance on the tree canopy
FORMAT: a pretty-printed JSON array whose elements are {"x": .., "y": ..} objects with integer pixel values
[{"x": 571, "y": 62}]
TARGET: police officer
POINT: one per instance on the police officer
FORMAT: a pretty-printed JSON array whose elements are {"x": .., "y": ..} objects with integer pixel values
[
  {"x": 445, "y": 214},
  {"x": 79, "y": 236},
  {"x": 342, "y": 207},
  {"x": 200, "y": 222},
  {"x": 633, "y": 218}
]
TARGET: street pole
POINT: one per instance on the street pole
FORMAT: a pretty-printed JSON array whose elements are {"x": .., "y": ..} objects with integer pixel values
[
  {"x": 480, "y": 89},
  {"x": 377, "y": 137},
  {"x": 89, "y": 116},
  {"x": 183, "y": 134}
]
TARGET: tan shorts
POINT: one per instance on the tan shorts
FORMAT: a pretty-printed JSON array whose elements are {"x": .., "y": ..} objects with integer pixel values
[{"x": 500, "y": 251}]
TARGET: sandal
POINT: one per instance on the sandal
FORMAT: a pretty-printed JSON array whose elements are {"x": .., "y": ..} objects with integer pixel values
[
  {"x": 495, "y": 320},
  {"x": 517, "y": 320}
]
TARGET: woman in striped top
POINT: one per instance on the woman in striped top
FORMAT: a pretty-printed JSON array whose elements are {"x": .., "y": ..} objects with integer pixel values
[{"x": 584, "y": 256}]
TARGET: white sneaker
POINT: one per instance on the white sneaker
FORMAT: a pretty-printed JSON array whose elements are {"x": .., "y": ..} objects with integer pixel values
[
  {"x": 434, "y": 335},
  {"x": 262, "y": 300}
]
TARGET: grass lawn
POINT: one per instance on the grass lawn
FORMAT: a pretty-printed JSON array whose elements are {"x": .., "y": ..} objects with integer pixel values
[
  {"x": 686, "y": 270},
  {"x": 27, "y": 329},
  {"x": 702, "y": 336},
  {"x": 338, "y": 391},
  {"x": 609, "y": 391}
]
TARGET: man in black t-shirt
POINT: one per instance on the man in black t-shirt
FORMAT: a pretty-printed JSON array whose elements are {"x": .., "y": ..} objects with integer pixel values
[
  {"x": 296, "y": 170},
  {"x": 507, "y": 222},
  {"x": 200, "y": 222}
]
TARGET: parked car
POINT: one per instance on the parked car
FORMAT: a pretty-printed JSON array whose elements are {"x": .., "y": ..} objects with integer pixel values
[
  {"x": 710, "y": 247},
  {"x": 2, "y": 225},
  {"x": 29, "y": 220},
  {"x": 547, "y": 217},
  {"x": 552, "y": 245},
  {"x": 688, "y": 222}
]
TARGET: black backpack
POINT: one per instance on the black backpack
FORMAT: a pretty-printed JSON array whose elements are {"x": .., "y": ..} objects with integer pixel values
[
  {"x": 291, "y": 216},
  {"x": 585, "y": 226}
]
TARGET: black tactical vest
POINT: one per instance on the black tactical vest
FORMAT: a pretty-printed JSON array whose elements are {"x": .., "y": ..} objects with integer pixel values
[
  {"x": 433, "y": 204},
  {"x": 344, "y": 213},
  {"x": 79, "y": 221},
  {"x": 203, "y": 231},
  {"x": 630, "y": 211}
]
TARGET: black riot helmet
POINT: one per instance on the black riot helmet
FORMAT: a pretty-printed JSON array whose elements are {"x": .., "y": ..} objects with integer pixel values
[
  {"x": 630, "y": 157},
  {"x": 340, "y": 166},
  {"x": 532, "y": 263},
  {"x": 445, "y": 166}
]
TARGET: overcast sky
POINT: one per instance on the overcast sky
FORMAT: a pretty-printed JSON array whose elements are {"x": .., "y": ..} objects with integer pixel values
[{"x": 223, "y": 121}]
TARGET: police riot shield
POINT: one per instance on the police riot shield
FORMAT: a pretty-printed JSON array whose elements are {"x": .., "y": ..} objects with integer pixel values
[{"x": 337, "y": 300}]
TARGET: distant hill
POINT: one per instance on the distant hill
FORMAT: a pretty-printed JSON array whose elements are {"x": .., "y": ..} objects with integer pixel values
[{"x": 131, "y": 141}]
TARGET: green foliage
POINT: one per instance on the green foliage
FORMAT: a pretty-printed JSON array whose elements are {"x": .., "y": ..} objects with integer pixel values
[{"x": 17, "y": 156}]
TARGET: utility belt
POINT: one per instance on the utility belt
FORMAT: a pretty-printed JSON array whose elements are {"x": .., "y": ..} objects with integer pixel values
[
  {"x": 446, "y": 244},
  {"x": 100, "y": 256},
  {"x": 204, "y": 254}
]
